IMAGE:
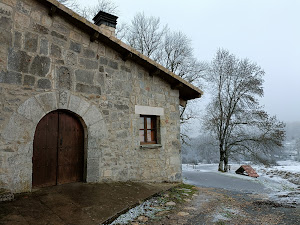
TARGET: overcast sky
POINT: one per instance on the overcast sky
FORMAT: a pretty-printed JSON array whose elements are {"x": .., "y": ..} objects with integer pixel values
[{"x": 265, "y": 31}]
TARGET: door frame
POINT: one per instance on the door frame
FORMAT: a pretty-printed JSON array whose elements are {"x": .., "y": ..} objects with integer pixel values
[
  {"x": 84, "y": 128},
  {"x": 22, "y": 124}
]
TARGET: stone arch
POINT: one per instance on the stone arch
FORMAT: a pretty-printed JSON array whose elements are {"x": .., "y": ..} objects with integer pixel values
[{"x": 22, "y": 124}]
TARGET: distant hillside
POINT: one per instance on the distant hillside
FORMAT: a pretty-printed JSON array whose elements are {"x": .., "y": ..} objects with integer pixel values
[{"x": 292, "y": 130}]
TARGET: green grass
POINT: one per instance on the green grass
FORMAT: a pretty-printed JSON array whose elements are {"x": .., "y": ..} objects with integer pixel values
[{"x": 181, "y": 192}]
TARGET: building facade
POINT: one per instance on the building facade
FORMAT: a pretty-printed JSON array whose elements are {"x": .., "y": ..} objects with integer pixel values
[{"x": 77, "y": 104}]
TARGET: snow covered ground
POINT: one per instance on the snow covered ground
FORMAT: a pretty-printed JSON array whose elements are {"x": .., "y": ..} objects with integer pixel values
[{"x": 282, "y": 181}]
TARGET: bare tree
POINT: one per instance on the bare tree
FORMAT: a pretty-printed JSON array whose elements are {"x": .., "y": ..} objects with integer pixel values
[
  {"x": 72, "y": 4},
  {"x": 145, "y": 34},
  {"x": 172, "y": 50},
  {"x": 102, "y": 5},
  {"x": 89, "y": 12},
  {"x": 234, "y": 115}
]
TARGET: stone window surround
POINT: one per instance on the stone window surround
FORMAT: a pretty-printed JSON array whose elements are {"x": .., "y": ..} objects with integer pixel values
[{"x": 152, "y": 111}]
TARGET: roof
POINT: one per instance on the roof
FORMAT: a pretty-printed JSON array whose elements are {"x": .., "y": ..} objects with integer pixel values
[{"x": 187, "y": 91}]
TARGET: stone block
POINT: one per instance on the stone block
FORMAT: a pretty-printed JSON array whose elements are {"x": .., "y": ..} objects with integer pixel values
[
  {"x": 21, "y": 21},
  {"x": 107, "y": 173},
  {"x": 48, "y": 101},
  {"x": 63, "y": 99},
  {"x": 101, "y": 69},
  {"x": 61, "y": 27},
  {"x": 98, "y": 130},
  {"x": 46, "y": 21},
  {"x": 40, "y": 66},
  {"x": 122, "y": 134},
  {"x": 92, "y": 116},
  {"x": 71, "y": 58},
  {"x": 76, "y": 47},
  {"x": 88, "y": 53},
  {"x": 5, "y": 38},
  {"x": 75, "y": 36},
  {"x": 44, "y": 83},
  {"x": 40, "y": 29},
  {"x": 117, "y": 85},
  {"x": 88, "y": 89},
  {"x": 5, "y": 10},
  {"x": 36, "y": 15},
  {"x": 121, "y": 106},
  {"x": 103, "y": 61},
  {"x": 94, "y": 152},
  {"x": 5, "y": 23},
  {"x": 18, "y": 129},
  {"x": 10, "y": 2},
  {"x": 93, "y": 170},
  {"x": 84, "y": 76},
  {"x": 64, "y": 81},
  {"x": 31, "y": 110},
  {"x": 113, "y": 64},
  {"x": 44, "y": 47},
  {"x": 23, "y": 7},
  {"x": 126, "y": 69},
  {"x": 10, "y": 77},
  {"x": 174, "y": 93},
  {"x": 100, "y": 80},
  {"x": 58, "y": 35},
  {"x": 74, "y": 103},
  {"x": 55, "y": 51},
  {"x": 88, "y": 63},
  {"x": 31, "y": 42},
  {"x": 83, "y": 107},
  {"x": 29, "y": 80},
  {"x": 175, "y": 160},
  {"x": 101, "y": 49},
  {"x": 18, "y": 40}
]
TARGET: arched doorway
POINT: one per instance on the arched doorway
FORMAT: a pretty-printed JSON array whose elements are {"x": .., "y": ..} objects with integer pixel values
[{"x": 58, "y": 150}]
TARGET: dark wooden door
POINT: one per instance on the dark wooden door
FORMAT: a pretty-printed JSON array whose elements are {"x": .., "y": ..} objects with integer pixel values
[
  {"x": 57, "y": 150},
  {"x": 70, "y": 149}
]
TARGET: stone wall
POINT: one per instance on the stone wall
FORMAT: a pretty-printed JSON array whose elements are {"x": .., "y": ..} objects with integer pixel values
[{"x": 46, "y": 63}]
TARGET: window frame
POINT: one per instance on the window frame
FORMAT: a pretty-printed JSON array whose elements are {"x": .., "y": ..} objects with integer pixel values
[{"x": 154, "y": 129}]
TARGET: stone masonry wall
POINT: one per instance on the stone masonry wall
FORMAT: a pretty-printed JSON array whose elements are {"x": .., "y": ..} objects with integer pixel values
[{"x": 46, "y": 63}]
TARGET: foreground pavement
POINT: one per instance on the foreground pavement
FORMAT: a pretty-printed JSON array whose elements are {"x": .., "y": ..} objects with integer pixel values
[
  {"x": 76, "y": 203},
  {"x": 220, "y": 206},
  {"x": 223, "y": 199}
]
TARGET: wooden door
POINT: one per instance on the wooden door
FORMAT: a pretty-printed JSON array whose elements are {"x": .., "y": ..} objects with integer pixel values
[
  {"x": 70, "y": 149},
  {"x": 57, "y": 150},
  {"x": 45, "y": 151}
]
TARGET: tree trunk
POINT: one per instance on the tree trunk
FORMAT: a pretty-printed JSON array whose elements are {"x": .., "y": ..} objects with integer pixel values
[
  {"x": 221, "y": 163},
  {"x": 226, "y": 162}
]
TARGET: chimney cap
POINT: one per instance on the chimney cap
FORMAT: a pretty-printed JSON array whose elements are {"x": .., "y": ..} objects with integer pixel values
[{"x": 106, "y": 19}]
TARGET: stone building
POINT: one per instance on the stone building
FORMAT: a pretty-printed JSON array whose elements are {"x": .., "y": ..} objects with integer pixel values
[{"x": 77, "y": 104}]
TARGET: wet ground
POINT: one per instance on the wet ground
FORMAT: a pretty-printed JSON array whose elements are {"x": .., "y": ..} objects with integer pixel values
[
  {"x": 219, "y": 180},
  {"x": 77, "y": 203},
  {"x": 220, "y": 206}
]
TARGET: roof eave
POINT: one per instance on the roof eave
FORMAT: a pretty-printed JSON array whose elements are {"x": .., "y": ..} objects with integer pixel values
[{"x": 187, "y": 91}]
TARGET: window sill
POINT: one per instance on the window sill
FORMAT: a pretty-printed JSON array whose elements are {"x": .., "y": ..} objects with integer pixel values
[{"x": 151, "y": 146}]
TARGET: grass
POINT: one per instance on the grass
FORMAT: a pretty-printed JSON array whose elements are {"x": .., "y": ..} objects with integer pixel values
[{"x": 181, "y": 192}]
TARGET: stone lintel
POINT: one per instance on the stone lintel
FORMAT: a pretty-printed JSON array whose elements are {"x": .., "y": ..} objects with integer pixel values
[{"x": 147, "y": 110}]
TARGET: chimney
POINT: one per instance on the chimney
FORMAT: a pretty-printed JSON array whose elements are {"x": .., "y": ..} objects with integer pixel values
[{"x": 106, "y": 22}]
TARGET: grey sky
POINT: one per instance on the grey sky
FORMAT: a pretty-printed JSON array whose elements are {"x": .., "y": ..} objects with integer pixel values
[{"x": 265, "y": 31}]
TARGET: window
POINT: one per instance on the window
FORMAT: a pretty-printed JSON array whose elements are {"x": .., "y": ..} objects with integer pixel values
[{"x": 148, "y": 130}]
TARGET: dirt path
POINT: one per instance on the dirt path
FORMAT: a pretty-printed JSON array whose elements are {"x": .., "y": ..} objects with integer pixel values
[{"x": 219, "y": 206}]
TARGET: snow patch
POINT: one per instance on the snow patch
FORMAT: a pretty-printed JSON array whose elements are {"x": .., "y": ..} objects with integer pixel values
[{"x": 282, "y": 180}]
